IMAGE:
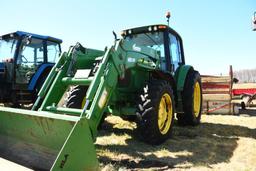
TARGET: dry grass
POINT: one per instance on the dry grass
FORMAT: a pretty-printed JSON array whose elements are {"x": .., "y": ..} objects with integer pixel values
[{"x": 221, "y": 142}]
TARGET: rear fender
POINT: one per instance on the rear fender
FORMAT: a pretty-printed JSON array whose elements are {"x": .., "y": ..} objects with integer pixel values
[
  {"x": 181, "y": 75},
  {"x": 180, "y": 79},
  {"x": 41, "y": 70}
]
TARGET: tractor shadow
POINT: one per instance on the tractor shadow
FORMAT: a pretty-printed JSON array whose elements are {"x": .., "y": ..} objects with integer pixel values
[{"x": 206, "y": 144}]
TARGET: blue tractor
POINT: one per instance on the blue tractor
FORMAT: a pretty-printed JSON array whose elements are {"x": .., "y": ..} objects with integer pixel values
[{"x": 25, "y": 61}]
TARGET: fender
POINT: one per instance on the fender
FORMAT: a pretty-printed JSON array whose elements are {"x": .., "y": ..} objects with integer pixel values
[
  {"x": 180, "y": 76},
  {"x": 38, "y": 74}
]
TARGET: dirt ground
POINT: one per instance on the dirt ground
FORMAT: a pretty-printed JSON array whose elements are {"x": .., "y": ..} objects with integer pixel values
[{"x": 220, "y": 142}]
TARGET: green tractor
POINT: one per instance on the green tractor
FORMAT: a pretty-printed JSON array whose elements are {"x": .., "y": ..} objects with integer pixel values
[
  {"x": 159, "y": 86},
  {"x": 25, "y": 61},
  {"x": 142, "y": 76}
]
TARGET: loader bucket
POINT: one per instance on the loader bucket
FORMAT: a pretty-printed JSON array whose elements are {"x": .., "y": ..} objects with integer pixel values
[{"x": 46, "y": 141}]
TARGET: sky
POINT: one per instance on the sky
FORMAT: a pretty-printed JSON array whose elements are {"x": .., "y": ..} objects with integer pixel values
[{"x": 216, "y": 33}]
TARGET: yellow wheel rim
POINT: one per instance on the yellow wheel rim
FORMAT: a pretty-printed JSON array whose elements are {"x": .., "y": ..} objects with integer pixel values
[
  {"x": 197, "y": 99},
  {"x": 83, "y": 102},
  {"x": 165, "y": 113}
]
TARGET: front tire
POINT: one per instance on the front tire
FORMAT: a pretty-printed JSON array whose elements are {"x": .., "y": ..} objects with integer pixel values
[
  {"x": 155, "y": 111},
  {"x": 76, "y": 97},
  {"x": 191, "y": 100}
]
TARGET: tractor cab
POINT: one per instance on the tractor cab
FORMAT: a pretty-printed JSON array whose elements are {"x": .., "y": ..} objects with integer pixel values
[
  {"x": 25, "y": 59},
  {"x": 161, "y": 38}
]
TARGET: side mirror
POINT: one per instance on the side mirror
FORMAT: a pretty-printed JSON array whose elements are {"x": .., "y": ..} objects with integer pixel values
[{"x": 254, "y": 22}]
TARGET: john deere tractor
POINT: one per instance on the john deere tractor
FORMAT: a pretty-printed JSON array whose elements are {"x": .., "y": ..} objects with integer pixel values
[
  {"x": 143, "y": 75},
  {"x": 25, "y": 61},
  {"x": 155, "y": 83}
]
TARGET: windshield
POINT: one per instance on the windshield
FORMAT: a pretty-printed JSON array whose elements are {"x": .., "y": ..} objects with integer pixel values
[
  {"x": 32, "y": 52},
  {"x": 153, "y": 40},
  {"x": 7, "y": 48}
]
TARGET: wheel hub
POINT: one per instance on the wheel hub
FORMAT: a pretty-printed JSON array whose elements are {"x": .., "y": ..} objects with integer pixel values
[
  {"x": 197, "y": 99},
  {"x": 165, "y": 113}
]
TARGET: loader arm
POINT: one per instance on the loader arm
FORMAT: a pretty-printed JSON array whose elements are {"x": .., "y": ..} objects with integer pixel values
[{"x": 101, "y": 85}]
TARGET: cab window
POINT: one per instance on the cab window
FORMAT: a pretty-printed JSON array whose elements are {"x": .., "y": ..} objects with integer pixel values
[
  {"x": 175, "y": 51},
  {"x": 30, "y": 58},
  {"x": 7, "y": 48},
  {"x": 31, "y": 52},
  {"x": 53, "y": 51}
]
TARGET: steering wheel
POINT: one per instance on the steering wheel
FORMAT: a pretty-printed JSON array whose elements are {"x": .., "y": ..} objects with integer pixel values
[{"x": 24, "y": 59}]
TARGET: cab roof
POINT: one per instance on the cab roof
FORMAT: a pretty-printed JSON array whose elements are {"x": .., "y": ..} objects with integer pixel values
[
  {"x": 22, "y": 33},
  {"x": 149, "y": 28}
]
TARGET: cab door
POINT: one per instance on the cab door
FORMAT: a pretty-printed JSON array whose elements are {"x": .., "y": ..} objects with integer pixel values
[
  {"x": 30, "y": 57},
  {"x": 175, "y": 50}
]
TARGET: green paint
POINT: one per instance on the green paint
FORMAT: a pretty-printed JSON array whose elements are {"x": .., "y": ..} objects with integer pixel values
[
  {"x": 76, "y": 81},
  {"x": 51, "y": 135},
  {"x": 78, "y": 151},
  {"x": 180, "y": 76}
]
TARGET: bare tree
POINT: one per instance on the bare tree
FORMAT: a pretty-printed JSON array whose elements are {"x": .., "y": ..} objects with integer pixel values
[{"x": 246, "y": 75}]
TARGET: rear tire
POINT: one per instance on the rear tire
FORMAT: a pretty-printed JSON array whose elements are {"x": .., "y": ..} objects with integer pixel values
[
  {"x": 191, "y": 100},
  {"x": 155, "y": 112}
]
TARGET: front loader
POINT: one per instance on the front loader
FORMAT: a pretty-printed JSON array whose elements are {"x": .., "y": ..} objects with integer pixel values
[{"x": 142, "y": 76}]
